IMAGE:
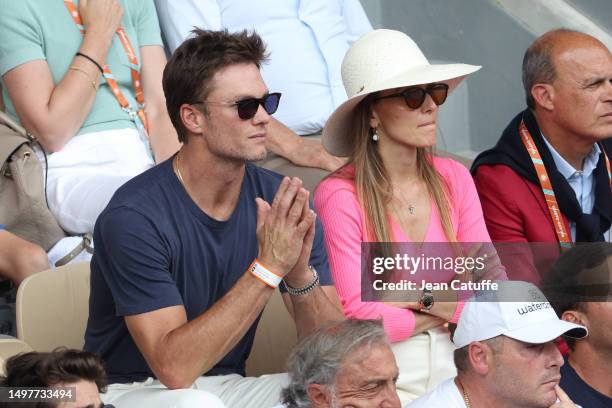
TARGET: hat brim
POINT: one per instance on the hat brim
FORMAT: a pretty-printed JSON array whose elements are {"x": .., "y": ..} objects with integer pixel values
[
  {"x": 336, "y": 136},
  {"x": 543, "y": 332}
]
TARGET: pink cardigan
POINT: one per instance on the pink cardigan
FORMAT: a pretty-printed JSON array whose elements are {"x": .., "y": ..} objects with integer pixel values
[{"x": 343, "y": 222}]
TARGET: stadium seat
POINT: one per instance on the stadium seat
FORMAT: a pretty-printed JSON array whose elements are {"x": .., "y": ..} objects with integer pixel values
[
  {"x": 52, "y": 307},
  {"x": 276, "y": 335},
  {"x": 9, "y": 346},
  {"x": 52, "y": 310}
]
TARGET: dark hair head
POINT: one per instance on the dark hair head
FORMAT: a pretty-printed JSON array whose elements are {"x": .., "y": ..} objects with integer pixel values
[
  {"x": 36, "y": 369},
  {"x": 189, "y": 73},
  {"x": 567, "y": 286},
  {"x": 538, "y": 62}
]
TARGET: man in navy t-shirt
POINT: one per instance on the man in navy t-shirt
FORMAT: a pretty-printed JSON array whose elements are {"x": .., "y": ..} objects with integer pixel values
[
  {"x": 188, "y": 253},
  {"x": 579, "y": 285}
]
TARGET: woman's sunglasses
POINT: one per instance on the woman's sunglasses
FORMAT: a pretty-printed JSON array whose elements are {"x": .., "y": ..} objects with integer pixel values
[
  {"x": 415, "y": 97},
  {"x": 247, "y": 108}
]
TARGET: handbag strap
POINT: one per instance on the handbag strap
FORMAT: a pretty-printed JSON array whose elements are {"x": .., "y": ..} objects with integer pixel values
[
  {"x": 10, "y": 122},
  {"x": 12, "y": 137},
  {"x": 84, "y": 245}
]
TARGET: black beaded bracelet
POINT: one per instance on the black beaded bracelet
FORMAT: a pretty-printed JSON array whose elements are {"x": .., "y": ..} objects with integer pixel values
[
  {"x": 306, "y": 289},
  {"x": 80, "y": 54}
]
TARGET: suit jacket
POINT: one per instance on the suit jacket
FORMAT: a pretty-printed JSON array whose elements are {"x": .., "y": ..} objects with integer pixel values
[
  {"x": 514, "y": 206},
  {"x": 515, "y": 211}
]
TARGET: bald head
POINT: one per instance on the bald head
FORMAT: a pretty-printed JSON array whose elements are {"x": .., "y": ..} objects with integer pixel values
[{"x": 543, "y": 55}]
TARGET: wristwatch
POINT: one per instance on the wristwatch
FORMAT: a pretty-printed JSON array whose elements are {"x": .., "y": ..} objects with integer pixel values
[{"x": 426, "y": 301}]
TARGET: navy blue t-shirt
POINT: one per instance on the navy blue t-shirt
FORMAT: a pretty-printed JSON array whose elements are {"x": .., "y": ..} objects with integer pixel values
[
  {"x": 579, "y": 391},
  {"x": 156, "y": 248}
]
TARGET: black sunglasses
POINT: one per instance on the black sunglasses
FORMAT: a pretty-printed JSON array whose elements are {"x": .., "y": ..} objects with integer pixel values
[
  {"x": 415, "y": 97},
  {"x": 247, "y": 108}
]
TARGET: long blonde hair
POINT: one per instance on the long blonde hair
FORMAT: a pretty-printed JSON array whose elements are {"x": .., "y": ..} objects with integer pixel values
[{"x": 373, "y": 186}]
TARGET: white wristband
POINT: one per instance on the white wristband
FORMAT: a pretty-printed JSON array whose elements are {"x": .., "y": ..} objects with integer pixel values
[{"x": 264, "y": 274}]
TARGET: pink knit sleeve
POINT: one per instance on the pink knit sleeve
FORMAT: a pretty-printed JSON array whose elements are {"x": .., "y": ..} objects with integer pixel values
[
  {"x": 458, "y": 310},
  {"x": 338, "y": 209}
]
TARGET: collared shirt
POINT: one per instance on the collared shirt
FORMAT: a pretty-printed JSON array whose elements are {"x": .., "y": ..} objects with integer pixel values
[
  {"x": 307, "y": 40},
  {"x": 581, "y": 181}
]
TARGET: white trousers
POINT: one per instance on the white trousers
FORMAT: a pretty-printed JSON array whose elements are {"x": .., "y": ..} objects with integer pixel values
[
  {"x": 232, "y": 391},
  {"x": 84, "y": 175},
  {"x": 424, "y": 361}
]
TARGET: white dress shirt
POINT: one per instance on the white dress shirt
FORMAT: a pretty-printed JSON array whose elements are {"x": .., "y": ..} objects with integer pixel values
[{"x": 581, "y": 181}]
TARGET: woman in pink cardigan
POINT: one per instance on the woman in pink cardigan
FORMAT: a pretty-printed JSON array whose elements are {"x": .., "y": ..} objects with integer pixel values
[{"x": 393, "y": 190}]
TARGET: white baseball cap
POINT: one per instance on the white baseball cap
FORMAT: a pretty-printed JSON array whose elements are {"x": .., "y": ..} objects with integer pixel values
[{"x": 517, "y": 310}]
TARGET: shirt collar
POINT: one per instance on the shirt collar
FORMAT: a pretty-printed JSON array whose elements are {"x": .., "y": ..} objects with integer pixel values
[{"x": 566, "y": 169}]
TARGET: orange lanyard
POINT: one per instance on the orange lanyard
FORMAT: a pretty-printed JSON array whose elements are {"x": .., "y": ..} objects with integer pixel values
[
  {"x": 564, "y": 238},
  {"x": 138, "y": 116}
]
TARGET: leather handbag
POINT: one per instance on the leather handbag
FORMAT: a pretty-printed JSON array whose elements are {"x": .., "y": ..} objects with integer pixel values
[{"x": 23, "y": 205}]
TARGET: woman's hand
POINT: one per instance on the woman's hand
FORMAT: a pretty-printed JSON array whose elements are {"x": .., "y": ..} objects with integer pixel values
[
  {"x": 101, "y": 17},
  {"x": 55, "y": 111}
]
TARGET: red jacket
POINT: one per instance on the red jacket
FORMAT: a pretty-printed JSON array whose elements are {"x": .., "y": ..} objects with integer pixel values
[{"x": 515, "y": 211}]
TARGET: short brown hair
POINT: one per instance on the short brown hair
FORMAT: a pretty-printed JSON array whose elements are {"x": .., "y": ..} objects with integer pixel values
[
  {"x": 461, "y": 358},
  {"x": 37, "y": 369},
  {"x": 188, "y": 74}
]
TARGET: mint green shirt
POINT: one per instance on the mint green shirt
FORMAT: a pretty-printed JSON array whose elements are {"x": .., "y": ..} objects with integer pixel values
[{"x": 43, "y": 29}]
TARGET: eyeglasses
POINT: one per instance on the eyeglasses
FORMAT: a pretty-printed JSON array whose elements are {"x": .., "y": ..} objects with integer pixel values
[
  {"x": 415, "y": 97},
  {"x": 247, "y": 108}
]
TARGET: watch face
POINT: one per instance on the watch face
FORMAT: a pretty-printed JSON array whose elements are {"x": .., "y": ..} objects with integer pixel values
[{"x": 427, "y": 300}]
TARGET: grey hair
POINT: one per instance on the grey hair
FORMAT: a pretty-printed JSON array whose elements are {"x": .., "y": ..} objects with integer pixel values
[
  {"x": 538, "y": 64},
  {"x": 317, "y": 358}
]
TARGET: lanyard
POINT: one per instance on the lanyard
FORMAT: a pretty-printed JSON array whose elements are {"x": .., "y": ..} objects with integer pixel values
[
  {"x": 564, "y": 238},
  {"x": 138, "y": 116}
]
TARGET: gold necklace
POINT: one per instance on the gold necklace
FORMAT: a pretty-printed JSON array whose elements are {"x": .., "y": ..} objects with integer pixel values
[
  {"x": 177, "y": 169},
  {"x": 466, "y": 398}
]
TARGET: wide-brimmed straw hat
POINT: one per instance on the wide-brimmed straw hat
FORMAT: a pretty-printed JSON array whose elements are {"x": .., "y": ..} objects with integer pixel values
[{"x": 379, "y": 60}]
